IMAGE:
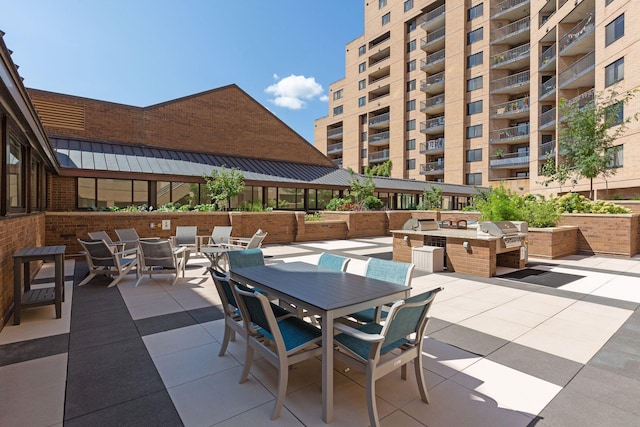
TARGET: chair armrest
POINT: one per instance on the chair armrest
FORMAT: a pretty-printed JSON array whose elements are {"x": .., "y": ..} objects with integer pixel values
[
  {"x": 232, "y": 246},
  {"x": 238, "y": 240},
  {"x": 179, "y": 250},
  {"x": 363, "y": 336}
]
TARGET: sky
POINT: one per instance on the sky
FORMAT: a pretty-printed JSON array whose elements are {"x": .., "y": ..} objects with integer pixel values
[{"x": 283, "y": 53}]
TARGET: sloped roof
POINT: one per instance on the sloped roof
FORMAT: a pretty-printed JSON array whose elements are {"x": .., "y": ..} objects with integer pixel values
[{"x": 102, "y": 156}]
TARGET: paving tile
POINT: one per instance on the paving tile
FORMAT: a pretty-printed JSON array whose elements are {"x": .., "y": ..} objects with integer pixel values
[
  {"x": 89, "y": 320},
  {"x": 33, "y": 349},
  {"x": 445, "y": 360},
  {"x": 102, "y": 335},
  {"x": 207, "y": 314},
  {"x": 167, "y": 322},
  {"x": 261, "y": 416},
  {"x": 470, "y": 340},
  {"x": 177, "y": 340},
  {"x": 620, "y": 355}
]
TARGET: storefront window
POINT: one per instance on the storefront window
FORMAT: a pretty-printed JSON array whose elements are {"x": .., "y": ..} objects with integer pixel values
[
  {"x": 86, "y": 193},
  {"x": 15, "y": 167}
]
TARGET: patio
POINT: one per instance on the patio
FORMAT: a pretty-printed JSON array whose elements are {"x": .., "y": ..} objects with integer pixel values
[{"x": 499, "y": 352}]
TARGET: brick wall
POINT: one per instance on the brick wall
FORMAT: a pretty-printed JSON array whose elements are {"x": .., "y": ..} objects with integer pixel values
[
  {"x": 16, "y": 233},
  {"x": 479, "y": 260},
  {"x": 617, "y": 235},
  {"x": 361, "y": 224},
  {"x": 553, "y": 242},
  {"x": 62, "y": 193}
]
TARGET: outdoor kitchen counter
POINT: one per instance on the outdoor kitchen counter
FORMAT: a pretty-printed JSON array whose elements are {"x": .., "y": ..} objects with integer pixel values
[{"x": 465, "y": 251}]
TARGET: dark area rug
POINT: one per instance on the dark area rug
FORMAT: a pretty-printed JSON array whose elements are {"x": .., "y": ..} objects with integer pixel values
[
  {"x": 541, "y": 277},
  {"x": 382, "y": 255}
]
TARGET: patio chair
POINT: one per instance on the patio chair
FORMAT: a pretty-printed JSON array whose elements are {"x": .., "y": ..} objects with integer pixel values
[
  {"x": 246, "y": 258},
  {"x": 187, "y": 237},
  {"x": 333, "y": 262},
  {"x": 220, "y": 234},
  {"x": 102, "y": 235},
  {"x": 380, "y": 350},
  {"x": 292, "y": 340},
  {"x": 105, "y": 260},
  {"x": 129, "y": 237},
  {"x": 254, "y": 241},
  {"x": 389, "y": 271},
  {"x": 160, "y": 257},
  {"x": 232, "y": 319}
]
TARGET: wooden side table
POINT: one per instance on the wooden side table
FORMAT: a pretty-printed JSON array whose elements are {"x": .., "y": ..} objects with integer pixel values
[{"x": 22, "y": 277}]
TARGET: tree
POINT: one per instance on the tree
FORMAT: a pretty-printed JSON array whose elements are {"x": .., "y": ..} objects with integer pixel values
[
  {"x": 552, "y": 173},
  {"x": 382, "y": 169},
  {"x": 223, "y": 184},
  {"x": 588, "y": 134},
  {"x": 432, "y": 199}
]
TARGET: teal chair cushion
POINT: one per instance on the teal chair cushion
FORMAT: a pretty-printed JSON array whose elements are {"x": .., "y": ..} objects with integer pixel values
[
  {"x": 295, "y": 332},
  {"x": 245, "y": 258}
]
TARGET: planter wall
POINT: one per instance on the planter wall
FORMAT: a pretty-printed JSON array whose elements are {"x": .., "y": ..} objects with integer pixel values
[
  {"x": 553, "y": 242},
  {"x": 603, "y": 234}
]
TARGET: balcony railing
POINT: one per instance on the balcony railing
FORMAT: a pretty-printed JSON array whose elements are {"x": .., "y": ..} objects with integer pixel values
[
  {"x": 332, "y": 133},
  {"x": 432, "y": 167},
  {"x": 379, "y": 119},
  {"x": 511, "y": 55},
  {"x": 433, "y": 145},
  {"x": 548, "y": 87},
  {"x": 511, "y": 81},
  {"x": 432, "y": 102},
  {"x": 378, "y": 138},
  {"x": 379, "y": 156},
  {"x": 431, "y": 124},
  {"x": 511, "y": 107},
  {"x": 433, "y": 15},
  {"x": 511, "y": 134},
  {"x": 548, "y": 56},
  {"x": 583, "y": 99},
  {"x": 432, "y": 59},
  {"x": 338, "y": 162},
  {"x": 432, "y": 80},
  {"x": 432, "y": 37},
  {"x": 509, "y": 159},
  {"x": 584, "y": 27},
  {"x": 577, "y": 69},
  {"x": 505, "y": 6},
  {"x": 547, "y": 148},
  {"x": 510, "y": 29},
  {"x": 334, "y": 148},
  {"x": 548, "y": 118}
]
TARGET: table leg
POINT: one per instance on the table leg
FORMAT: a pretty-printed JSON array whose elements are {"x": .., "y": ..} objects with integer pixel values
[
  {"x": 327, "y": 368},
  {"x": 59, "y": 284},
  {"x": 17, "y": 290},
  {"x": 26, "y": 267}
]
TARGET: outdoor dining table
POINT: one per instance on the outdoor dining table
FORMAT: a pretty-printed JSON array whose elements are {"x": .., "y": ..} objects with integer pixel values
[{"x": 327, "y": 293}]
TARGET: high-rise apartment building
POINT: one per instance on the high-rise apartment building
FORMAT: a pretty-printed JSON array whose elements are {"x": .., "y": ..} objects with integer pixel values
[{"x": 467, "y": 92}]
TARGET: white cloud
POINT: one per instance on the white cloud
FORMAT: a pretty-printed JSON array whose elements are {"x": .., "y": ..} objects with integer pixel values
[{"x": 294, "y": 91}]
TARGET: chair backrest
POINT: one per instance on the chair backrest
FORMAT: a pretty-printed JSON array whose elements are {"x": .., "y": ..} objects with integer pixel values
[
  {"x": 99, "y": 254},
  {"x": 333, "y": 262},
  {"x": 245, "y": 258},
  {"x": 128, "y": 236},
  {"x": 407, "y": 317},
  {"x": 186, "y": 235},
  {"x": 256, "y": 239},
  {"x": 101, "y": 235},
  {"x": 220, "y": 234},
  {"x": 225, "y": 291},
  {"x": 157, "y": 253},
  {"x": 389, "y": 271},
  {"x": 256, "y": 311}
]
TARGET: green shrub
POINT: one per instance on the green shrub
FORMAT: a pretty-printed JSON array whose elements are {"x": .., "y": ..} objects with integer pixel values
[
  {"x": 576, "y": 203},
  {"x": 316, "y": 216},
  {"x": 372, "y": 203}
]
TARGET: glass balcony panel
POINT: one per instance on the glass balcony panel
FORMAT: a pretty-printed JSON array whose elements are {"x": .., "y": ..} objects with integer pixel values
[
  {"x": 379, "y": 156},
  {"x": 432, "y": 168},
  {"x": 335, "y": 133},
  {"x": 334, "y": 148},
  {"x": 509, "y": 160}
]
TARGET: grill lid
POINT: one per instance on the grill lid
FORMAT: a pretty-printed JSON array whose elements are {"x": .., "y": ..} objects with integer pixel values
[{"x": 498, "y": 228}]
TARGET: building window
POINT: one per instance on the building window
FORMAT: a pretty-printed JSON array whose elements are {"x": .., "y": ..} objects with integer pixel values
[
  {"x": 474, "y": 155},
  {"x": 613, "y": 73},
  {"x": 474, "y": 36},
  {"x": 412, "y": 25},
  {"x": 411, "y": 85},
  {"x": 408, "y": 5},
  {"x": 474, "y": 107},
  {"x": 614, "y": 30},
  {"x": 474, "y": 131},
  {"x": 363, "y": 136},
  {"x": 337, "y": 94},
  {"x": 475, "y": 12},
  {"x": 86, "y": 193},
  {"x": 362, "y": 67},
  {"x": 411, "y": 66},
  {"x": 411, "y": 105},
  {"x": 474, "y": 179},
  {"x": 410, "y": 144},
  {"x": 615, "y": 114},
  {"x": 362, "y": 84},
  {"x": 411, "y": 46},
  {"x": 386, "y": 18},
  {"x": 382, "y": 3},
  {"x": 16, "y": 177},
  {"x": 362, "y": 101},
  {"x": 607, "y": 2},
  {"x": 411, "y": 164},
  {"x": 362, "y": 50},
  {"x": 618, "y": 157},
  {"x": 337, "y": 110},
  {"x": 474, "y": 84},
  {"x": 474, "y": 60},
  {"x": 411, "y": 124},
  {"x": 363, "y": 153},
  {"x": 363, "y": 119}
]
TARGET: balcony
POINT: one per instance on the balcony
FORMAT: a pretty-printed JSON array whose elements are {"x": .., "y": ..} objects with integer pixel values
[
  {"x": 433, "y": 84},
  {"x": 580, "y": 73},
  {"x": 548, "y": 58},
  {"x": 379, "y": 156},
  {"x": 433, "y": 126},
  {"x": 514, "y": 33},
  {"x": 547, "y": 119},
  {"x": 335, "y": 133},
  {"x": 381, "y": 138},
  {"x": 433, "y": 105},
  {"x": 434, "y": 40},
  {"x": 577, "y": 40},
  {"x": 512, "y": 59},
  {"x": 517, "y": 108},
  {"x": 432, "y": 20},
  {"x": 583, "y": 99},
  {"x": 509, "y": 160},
  {"x": 547, "y": 11},
  {"x": 513, "y": 84},
  {"x": 380, "y": 56},
  {"x": 433, "y": 146},
  {"x": 546, "y": 150},
  {"x": 432, "y": 168},
  {"x": 379, "y": 122},
  {"x": 334, "y": 148},
  {"x": 548, "y": 88},
  {"x": 337, "y": 162},
  {"x": 434, "y": 62},
  {"x": 511, "y": 135},
  {"x": 381, "y": 92},
  {"x": 510, "y": 9},
  {"x": 377, "y": 75}
]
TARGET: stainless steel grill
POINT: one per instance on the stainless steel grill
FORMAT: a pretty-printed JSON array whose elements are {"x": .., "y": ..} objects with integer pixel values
[{"x": 512, "y": 235}]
